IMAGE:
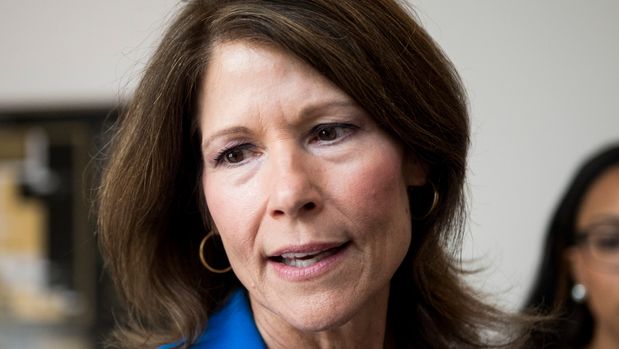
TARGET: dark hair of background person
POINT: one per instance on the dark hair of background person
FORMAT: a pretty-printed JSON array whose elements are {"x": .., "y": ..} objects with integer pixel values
[
  {"x": 551, "y": 291},
  {"x": 152, "y": 213}
]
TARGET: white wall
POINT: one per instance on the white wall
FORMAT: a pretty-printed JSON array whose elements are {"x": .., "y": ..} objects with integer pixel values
[
  {"x": 75, "y": 52},
  {"x": 543, "y": 78}
]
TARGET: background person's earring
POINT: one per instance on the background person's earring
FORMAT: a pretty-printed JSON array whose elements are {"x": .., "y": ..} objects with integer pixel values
[
  {"x": 579, "y": 293},
  {"x": 423, "y": 194},
  {"x": 203, "y": 260}
]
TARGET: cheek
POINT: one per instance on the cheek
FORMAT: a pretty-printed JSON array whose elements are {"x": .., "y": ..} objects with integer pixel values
[
  {"x": 379, "y": 182},
  {"x": 376, "y": 190},
  {"x": 216, "y": 205},
  {"x": 230, "y": 209},
  {"x": 603, "y": 295},
  {"x": 604, "y": 287}
]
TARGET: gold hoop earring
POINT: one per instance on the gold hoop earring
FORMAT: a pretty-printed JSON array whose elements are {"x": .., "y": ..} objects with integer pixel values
[
  {"x": 203, "y": 260},
  {"x": 435, "y": 199}
]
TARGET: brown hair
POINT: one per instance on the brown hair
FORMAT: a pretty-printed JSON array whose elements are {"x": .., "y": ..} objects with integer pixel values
[{"x": 150, "y": 199}]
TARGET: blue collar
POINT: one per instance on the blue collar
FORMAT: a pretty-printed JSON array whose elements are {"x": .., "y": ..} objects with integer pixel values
[{"x": 231, "y": 327}]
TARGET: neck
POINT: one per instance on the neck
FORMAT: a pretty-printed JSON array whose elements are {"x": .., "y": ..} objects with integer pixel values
[
  {"x": 604, "y": 337},
  {"x": 366, "y": 329}
]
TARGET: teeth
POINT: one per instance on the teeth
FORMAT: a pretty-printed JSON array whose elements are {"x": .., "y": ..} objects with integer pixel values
[
  {"x": 299, "y": 255},
  {"x": 300, "y": 263},
  {"x": 293, "y": 259}
]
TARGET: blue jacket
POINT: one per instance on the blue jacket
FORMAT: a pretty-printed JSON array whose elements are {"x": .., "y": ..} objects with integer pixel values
[{"x": 231, "y": 327}]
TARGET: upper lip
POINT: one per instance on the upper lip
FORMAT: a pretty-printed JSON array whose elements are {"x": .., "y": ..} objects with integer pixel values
[{"x": 306, "y": 249}]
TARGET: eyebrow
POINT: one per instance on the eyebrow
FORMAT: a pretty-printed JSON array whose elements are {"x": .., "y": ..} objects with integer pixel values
[
  {"x": 225, "y": 132},
  {"x": 306, "y": 112},
  {"x": 606, "y": 219},
  {"x": 318, "y": 108}
]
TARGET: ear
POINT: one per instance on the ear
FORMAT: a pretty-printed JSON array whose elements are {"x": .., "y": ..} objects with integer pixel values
[
  {"x": 415, "y": 172},
  {"x": 574, "y": 257}
]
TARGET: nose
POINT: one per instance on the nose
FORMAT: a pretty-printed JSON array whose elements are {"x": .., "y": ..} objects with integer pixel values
[{"x": 294, "y": 187}]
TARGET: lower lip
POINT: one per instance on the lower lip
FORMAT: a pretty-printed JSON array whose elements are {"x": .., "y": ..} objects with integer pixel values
[{"x": 315, "y": 270}]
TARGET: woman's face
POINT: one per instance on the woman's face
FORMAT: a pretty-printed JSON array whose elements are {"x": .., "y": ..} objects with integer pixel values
[
  {"x": 308, "y": 194},
  {"x": 600, "y": 206}
]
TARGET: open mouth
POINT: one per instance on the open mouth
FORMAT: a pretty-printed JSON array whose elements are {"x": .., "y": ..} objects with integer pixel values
[{"x": 307, "y": 259}]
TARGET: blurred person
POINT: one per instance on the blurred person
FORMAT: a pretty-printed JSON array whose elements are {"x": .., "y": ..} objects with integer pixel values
[
  {"x": 579, "y": 275},
  {"x": 319, "y": 148}
]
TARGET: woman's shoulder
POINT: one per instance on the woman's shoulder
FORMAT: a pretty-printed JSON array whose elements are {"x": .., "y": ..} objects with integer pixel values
[{"x": 232, "y": 326}]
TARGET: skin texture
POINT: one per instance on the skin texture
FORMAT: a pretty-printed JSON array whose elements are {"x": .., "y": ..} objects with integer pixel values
[
  {"x": 601, "y": 203},
  {"x": 281, "y": 181}
]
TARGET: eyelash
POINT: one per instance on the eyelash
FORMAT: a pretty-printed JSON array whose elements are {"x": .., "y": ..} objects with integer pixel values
[{"x": 313, "y": 134}]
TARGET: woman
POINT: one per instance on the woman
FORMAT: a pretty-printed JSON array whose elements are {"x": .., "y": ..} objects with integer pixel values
[
  {"x": 321, "y": 147},
  {"x": 579, "y": 275}
]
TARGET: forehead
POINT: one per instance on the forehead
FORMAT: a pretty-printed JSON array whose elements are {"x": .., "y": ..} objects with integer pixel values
[
  {"x": 245, "y": 79},
  {"x": 237, "y": 56},
  {"x": 602, "y": 199},
  {"x": 251, "y": 62}
]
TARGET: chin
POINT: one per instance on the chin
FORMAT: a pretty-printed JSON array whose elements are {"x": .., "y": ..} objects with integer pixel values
[
  {"x": 315, "y": 316},
  {"x": 317, "y": 322}
]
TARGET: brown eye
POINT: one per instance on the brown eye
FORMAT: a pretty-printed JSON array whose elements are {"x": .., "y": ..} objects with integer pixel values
[
  {"x": 327, "y": 134},
  {"x": 331, "y": 133},
  {"x": 235, "y": 156}
]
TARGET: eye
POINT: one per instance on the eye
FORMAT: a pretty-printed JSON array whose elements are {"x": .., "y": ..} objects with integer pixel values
[
  {"x": 331, "y": 133},
  {"x": 234, "y": 155},
  {"x": 607, "y": 243},
  {"x": 327, "y": 134}
]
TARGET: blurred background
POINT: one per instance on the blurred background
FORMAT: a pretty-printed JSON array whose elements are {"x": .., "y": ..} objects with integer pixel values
[
  {"x": 543, "y": 81},
  {"x": 65, "y": 66}
]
